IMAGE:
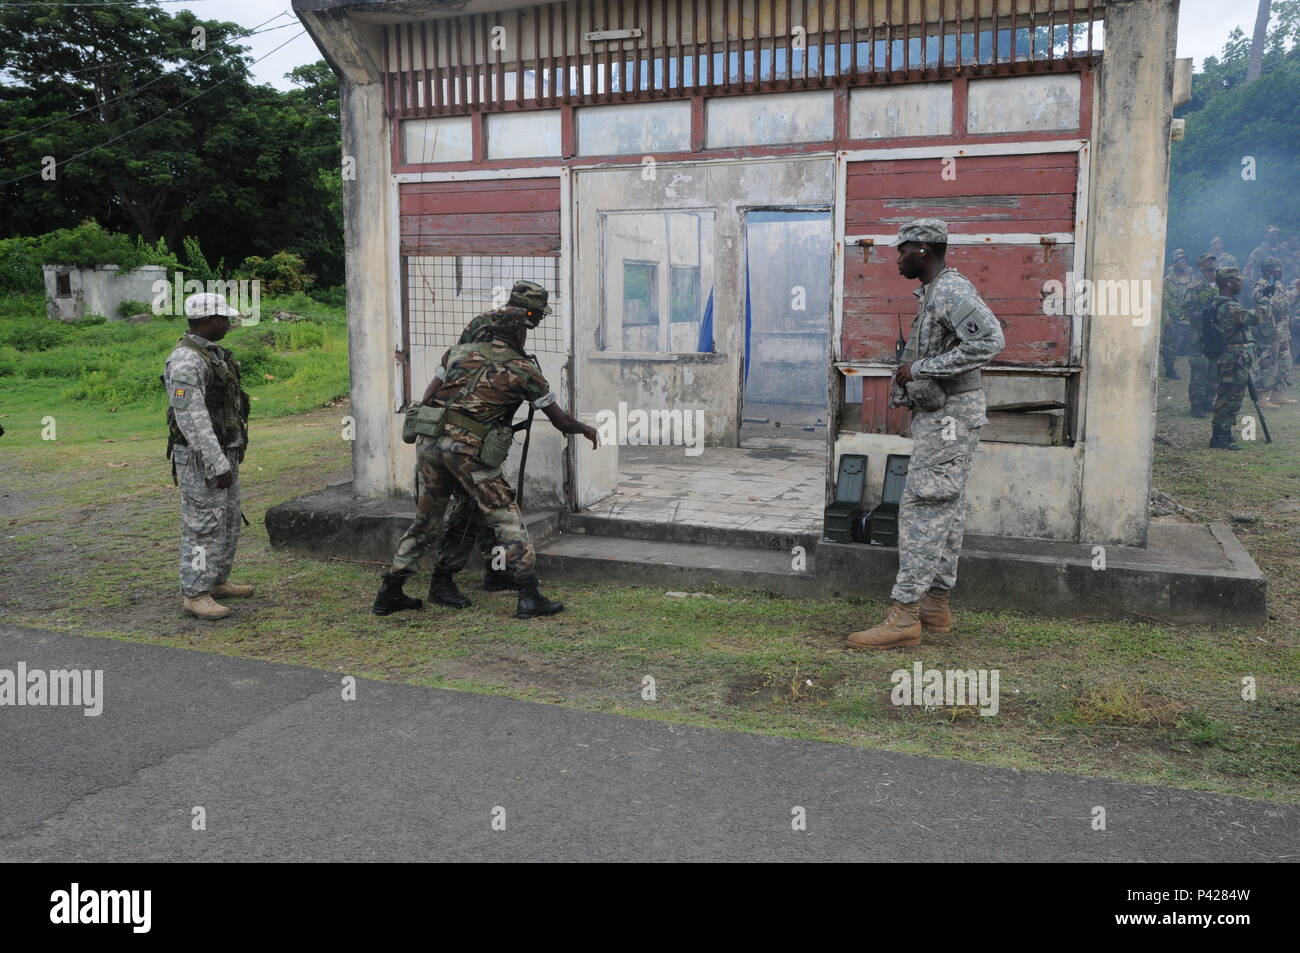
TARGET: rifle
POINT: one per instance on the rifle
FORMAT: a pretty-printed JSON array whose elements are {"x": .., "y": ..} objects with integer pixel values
[
  {"x": 1254, "y": 399},
  {"x": 527, "y": 427}
]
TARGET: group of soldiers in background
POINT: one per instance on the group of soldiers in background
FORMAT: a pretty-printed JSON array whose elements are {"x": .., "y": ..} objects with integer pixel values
[{"x": 1236, "y": 327}]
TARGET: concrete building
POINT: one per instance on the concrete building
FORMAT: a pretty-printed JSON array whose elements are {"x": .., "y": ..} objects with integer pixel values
[
  {"x": 709, "y": 189},
  {"x": 72, "y": 292}
]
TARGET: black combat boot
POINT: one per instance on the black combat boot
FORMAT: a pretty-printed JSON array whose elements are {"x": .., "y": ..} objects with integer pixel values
[
  {"x": 1171, "y": 370},
  {"x": 1222, "y": 440},
  {"x": 442, "y": 589},
  {"x": 1198, "y": 410},
  {"x": 391, "y": 598},
  {"x": 498, "y": 580},
  {"x": 533, "y": 603}
]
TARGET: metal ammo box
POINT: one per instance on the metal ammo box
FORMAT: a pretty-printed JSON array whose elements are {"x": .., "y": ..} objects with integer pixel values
[
  {"x": 882, "y": 521},
  {"x": 850, "y": 484}
]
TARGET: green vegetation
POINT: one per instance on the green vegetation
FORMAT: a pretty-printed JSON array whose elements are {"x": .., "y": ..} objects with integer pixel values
[{"x": 113, "y": 367}]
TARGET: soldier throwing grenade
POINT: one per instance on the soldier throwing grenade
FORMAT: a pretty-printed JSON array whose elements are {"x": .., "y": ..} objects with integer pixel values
[
  {"x": 480, "y": 386},
  {"x": 208, "y": 422},
  {"x": 953, "y": 335}
]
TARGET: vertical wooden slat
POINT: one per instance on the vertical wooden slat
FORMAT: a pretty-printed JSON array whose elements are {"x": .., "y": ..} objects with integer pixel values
[
  {"x": 435, "y": 98},
  {"x": 483, "y": 71},
  {"x": 807, "y": 33},
  {"x": 907, "y": 35},
  {"x": 995, "y": 33},
  {"x": 663, "y": 25},
  {"x": 564, "y": 33},
  {"x": 500, "y": 92},
  {"x": 681, "y": 46},
  {"x": 789, "y": 44},
  {"x": 871, "y": 37},
  {"x": 475, "y": 96},
  {"x": 1013, "y": 30},
  {"x": 726, "y": 44},
  {"x": 609, "y": 57},
  {"x": 709, "y": 78},
  {"x": 853, "y": 39},
  {"x": 388, "y": 74},
  {"x": 889, "y": 41},
  {"x": 519, "y": 59},
  {"x": 537, "y": 56},
  {"x": 1051, "y": 32},
  {"x": 839, "y": 66},
  {"x": 580, "y": 78},
  {"x": 622, "y": 55},
  {"x": 423, "y": 101},
  {"x": 550, "y": 50},
  {"x": 637, "y": 43}
]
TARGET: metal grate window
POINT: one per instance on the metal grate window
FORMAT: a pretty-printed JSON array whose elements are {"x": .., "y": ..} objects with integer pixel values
[{"x": 444, "y": 293}]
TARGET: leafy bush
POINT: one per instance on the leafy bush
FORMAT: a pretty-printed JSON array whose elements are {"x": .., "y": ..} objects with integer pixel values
[
  {"x": 294, "y": 336},
  {"x": 336, "y": 297},
  {"x": 89, "y": 244},
  {"x": 282, "y": 273},
  {"x": 20, "y": 266},
  {"x": 197, "y": 264},
  {"x": 128, "y": 308}
]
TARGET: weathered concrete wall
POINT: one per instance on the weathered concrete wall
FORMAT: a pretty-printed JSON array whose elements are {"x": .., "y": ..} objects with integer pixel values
[
  {"x": 1013, "y": 489},
  {"x": 709, "y": 382},
  {"x": 1126, "y": 229},
  {"x": 98, "y": 290}
]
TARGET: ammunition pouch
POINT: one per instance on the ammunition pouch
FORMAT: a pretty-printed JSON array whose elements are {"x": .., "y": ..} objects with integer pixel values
[
  {"x": 421, "y": 420},
  {"x": 496, "y": 446}
]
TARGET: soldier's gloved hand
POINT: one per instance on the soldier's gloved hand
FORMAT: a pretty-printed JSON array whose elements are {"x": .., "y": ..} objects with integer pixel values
[{"x": 223, "y": 482}]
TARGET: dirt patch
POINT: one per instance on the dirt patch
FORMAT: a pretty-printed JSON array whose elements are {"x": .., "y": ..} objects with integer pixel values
[{"x": 786, "y": 688}]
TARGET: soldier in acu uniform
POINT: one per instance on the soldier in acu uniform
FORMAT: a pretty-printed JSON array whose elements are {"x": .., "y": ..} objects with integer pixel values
[
  {"x": 1273, "y": 335},
  {"x": 953, "y": 335},
  {"x": 1174, "y": 321},
  {"x": 1200, "y": 384},
  {"x": 480, "y": 385},
  {"x": 208, "y": 422},
  {"x": 1231, "y": 324},
  {"x": 1268, "y": 248}
]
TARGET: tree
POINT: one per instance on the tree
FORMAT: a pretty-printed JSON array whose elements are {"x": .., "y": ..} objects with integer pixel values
[{"x": 176, "y": 139}]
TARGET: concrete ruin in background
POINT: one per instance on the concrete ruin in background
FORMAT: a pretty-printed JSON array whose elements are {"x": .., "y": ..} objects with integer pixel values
[{"x": 72, "y": 292}]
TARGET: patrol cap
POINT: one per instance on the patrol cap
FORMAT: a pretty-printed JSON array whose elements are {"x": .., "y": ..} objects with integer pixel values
[
  {"x": 208, "y": 304},
  {"x": 1202, "y": 259},
  {"x": 1228, "y": 272},
  {"x": 529, "y": 294},
  {"x": 931, "y": 230},
  {"x": 1269, "y": 264},
  {"x": 1179, "y": 253}
]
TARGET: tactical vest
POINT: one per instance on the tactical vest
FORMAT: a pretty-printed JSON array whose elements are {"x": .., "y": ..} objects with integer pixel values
[{"x": 225, "y": 399}]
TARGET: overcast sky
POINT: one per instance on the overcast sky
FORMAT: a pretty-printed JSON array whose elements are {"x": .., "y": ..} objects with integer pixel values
[{"x": 1202, "y": 28}]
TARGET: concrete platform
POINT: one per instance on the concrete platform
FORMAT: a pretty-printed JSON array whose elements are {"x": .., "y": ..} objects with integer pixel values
[{"x": 1188, "y": 573}]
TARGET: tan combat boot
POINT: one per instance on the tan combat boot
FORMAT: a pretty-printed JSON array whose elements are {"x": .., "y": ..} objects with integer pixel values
[
  {"x": 935, "y": 614},
  {"x": 902, "y": 627},
  {"x": 205, "y": 607},
  {"x": 1280, "y": 398},
  {"x": 231, "y": 590}
]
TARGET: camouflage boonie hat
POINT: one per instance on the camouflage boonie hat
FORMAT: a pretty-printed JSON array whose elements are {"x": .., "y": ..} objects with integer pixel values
[
  {"x": 1228, "y": 272},
  {"x": 529, "y": 294},
  {"x": 1179, "y": 253},
  {"x": 923, "y": 230},
  {"x": 1268, "y": 264},
  {"x": 1202, "y": 259}
]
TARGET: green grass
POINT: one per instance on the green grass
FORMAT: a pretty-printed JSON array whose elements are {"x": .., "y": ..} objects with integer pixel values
[{"x": 89, "y": 547}]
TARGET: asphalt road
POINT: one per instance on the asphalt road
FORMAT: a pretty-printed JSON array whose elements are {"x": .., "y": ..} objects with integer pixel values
[{"x": 287, "y": 770}]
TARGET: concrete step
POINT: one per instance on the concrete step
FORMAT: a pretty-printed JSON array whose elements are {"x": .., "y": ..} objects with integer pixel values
[
  {"x": 620, "y": 561},
  {"x": 590, "y": 524}
]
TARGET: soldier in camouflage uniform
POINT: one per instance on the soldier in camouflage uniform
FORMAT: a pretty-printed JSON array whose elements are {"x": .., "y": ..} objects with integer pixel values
[
  {"x": 953, "y": 335},
  {"x": 1221, "y": 257},
  {"x": 1174, "y": 322},
  {"x": 1232, "y": 322},
  {"x": 480, "y": 384},
  {"x": 1272, "y": 336},
  {"x": 1201, "y": 380},
  {"x": 208, "y": 423},
  {"x": 1268, "y": 248}
]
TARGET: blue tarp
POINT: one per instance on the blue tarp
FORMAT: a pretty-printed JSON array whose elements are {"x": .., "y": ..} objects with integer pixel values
[{"x": 705, "y": 343}]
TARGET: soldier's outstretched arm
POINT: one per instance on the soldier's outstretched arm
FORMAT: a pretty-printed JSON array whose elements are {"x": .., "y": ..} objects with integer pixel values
[
  {"x": 565, "y": 423},
  {"x": 185, "y": 387}
]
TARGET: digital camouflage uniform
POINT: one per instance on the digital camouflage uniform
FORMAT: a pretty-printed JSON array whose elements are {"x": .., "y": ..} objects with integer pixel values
[
  {"x": 1201, "y": 380},
  {"x": 454, "y": 481},
  {"x": 1234, "y": 364},
  {"x": 953, "y": 335},
  {"x": 210, "y": 434},
  {"x": 1267, "y": 336},
  {"x": 1254, "y": 269},
  {"x": 1174, "y": 319}
]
